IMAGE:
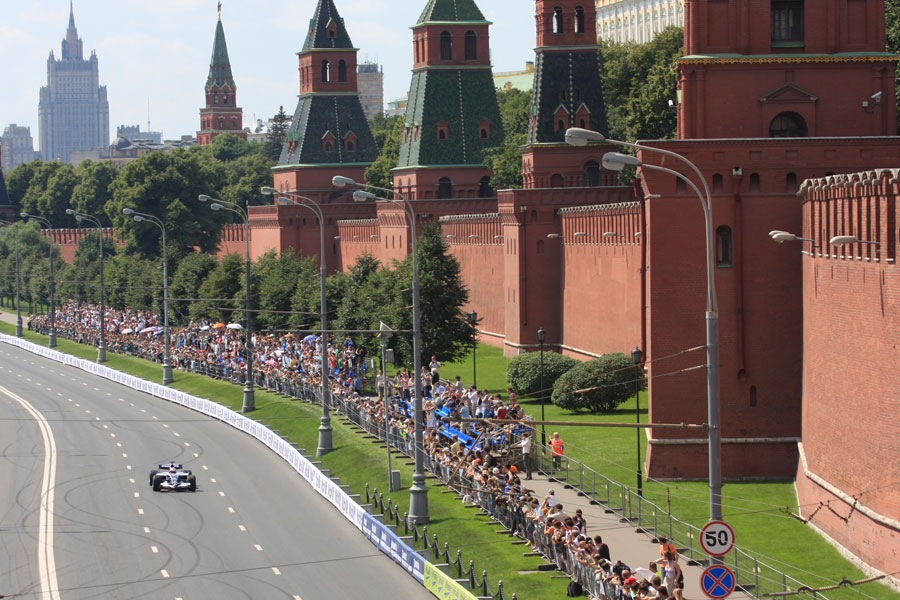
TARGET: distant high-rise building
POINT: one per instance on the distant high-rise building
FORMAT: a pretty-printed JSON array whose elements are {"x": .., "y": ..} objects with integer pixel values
[
  {"x": 222, "y": 114},
  {"x": 637, "y": 20},
  {"x": 370, "y": 82},
  {"x": 73, "y": 108},
  {"x": 18, "y": 146}
]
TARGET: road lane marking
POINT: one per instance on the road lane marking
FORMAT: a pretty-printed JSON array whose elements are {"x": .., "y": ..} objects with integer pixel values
[
  {"x": 164, "y": 573},
  {"x": 154, "y": 549},
  {"x": 276, "y": 571},
  {"x": 46, "y": 558},
  {"x": 258, "y": 547}
]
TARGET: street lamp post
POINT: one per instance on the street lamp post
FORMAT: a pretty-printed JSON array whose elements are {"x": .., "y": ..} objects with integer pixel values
[
  {"x": 418, "y": 498},
  {"x": 541, "y": 336},
  {"x": 473, "y": 319},
  {"x": 18, "y": 284},
  {"x": 101, "y": 346},
  {"x": 249, "y": 401},
  {"x": 385, "y": 334},
  {"x": 637, "y": 356},
  {"x": 581, "y": 137},
  {"x": 46, "y": 223},
  {"x": 325, "y": 429},
  {"x": 167, "y": 334}
]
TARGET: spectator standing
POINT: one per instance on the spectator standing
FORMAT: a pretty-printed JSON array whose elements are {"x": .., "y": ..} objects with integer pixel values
[
  {"x": 435, "y": 367},
  {"x": 525, "y": 444},
  {"x": 557, "y": 449}
]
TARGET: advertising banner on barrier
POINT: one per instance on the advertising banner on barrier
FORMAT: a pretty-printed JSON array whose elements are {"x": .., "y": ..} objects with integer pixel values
[
  {"x": 443, "y": 586},
  {"x": 390, "y": 544}
]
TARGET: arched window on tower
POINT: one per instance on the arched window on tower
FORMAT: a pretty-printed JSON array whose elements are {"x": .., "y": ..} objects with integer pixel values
[
  {"x": 471, "y": 45},
  {"x": 579, "y": 19},
  {"x": 224, "y": 98},
  {"x": 558, "y": 26},
  {"x": 445, "y": 188},
  {"x": 446, "y": 45},
  {"x": 591, "y": 174},
  {"x": 557, "y": 181},
  {"x": 342, "y": 71},
  {"x": 484, "y": 189},
  {"x": 326, "y": 71},
  {"x": 723, "y": 247},
  {"x": 788, "y": 124}
]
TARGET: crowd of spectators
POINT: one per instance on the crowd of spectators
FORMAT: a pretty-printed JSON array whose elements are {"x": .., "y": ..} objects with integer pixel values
[{"x": 481, "y": 461}]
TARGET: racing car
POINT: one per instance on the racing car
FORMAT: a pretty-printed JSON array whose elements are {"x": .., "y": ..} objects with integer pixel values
[{"x": 172, "y": 476}]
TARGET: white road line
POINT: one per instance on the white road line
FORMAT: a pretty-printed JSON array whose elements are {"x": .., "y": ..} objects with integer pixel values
[
  {"x": 231, "y": 509},
  {"x": 222, "y": 494},
  {"x": 164, "y": 573},
  {"x": 46, "y": 527},
  {"x": 276, "y": 571},
  {"x": 146, "y": 530},
  {"x": 140, "y": 511},
  {"x": 242, "y": 528},
  {"x": 258, "y": 547},
  {"x": 136, "y": 494},
  {"x": 154, "y": 549}
]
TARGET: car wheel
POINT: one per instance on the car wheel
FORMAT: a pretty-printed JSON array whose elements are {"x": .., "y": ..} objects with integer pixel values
[
  {"x": 152, "y": 475},
  {"x": 157, "y": 482},
  {"x": 192, "y": 483}
]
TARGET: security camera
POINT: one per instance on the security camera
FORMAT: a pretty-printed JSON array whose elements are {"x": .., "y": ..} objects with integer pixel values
[{"x": 876, "y": 97}]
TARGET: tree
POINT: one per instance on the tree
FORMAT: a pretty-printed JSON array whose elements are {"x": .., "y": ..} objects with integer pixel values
[
  {"x": 227, "y": 147},
  {"x": 388, "y": 132},
  {"x": 134, "y": 282},
  {"x": 606, "y": 383},
  {"x": 94, "y": 188},
  {"x": 48, "y": 193},
  {"x": 523, "y": 374},
  {"x": 505, "y": 160},
  {"x": 184, "y": 287},
  {"x": 82, "y": 281},
  {"x": 166, "y": 185},
  {"x": 277, "y": 135},
  {"x": 277, "y": 277},
  {"x": 220, "y": 296}
]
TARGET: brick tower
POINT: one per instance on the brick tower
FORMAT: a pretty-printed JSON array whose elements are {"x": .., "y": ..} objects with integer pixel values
[
  {"x": 453, "y": 114},
  {"x": 567, "y": 92},
  {"x": 329, "y": 133},
  {"x": 222, "y": 114},
  {"x": 785, "y": 68}
]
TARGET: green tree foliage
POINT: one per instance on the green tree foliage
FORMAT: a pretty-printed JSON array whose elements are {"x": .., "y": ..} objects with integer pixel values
[
  {"x": 167, "y": 185},
  {"x": 277, "y": 135},
  {"x": 388, "y": 133},
  {"x": 523, "y": 374},
  {"x": 48, "y": 192},
  {"x": 505, "y": 160},
  {"x": 228, "y": 147},
  {"x": 276, "y": 278},
  {"x": 306, "y": 299},
  {"x": 638, "y": 82},
  {"x": 82, "y": 281},
  {"x": 134, "y": 282},
  {"x": 608, "y": 381},
  {"x": 184, "y": 287},
  {"x": 93, "y": 190},
  {"x": 221, "y": 293},
  {"x": 18, "y": 181}
]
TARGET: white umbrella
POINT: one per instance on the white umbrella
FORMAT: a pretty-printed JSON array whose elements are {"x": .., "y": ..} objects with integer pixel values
[
  {"x": 128, "y": 330},
  {"x": 643, "y": 573},
  {"x": 234, "y": 326}
]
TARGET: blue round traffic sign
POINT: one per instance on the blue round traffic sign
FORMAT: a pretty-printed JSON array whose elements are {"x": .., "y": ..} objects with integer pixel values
[{"x": 717, "y": 581}]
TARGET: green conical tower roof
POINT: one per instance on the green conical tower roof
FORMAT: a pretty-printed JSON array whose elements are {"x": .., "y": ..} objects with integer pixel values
[
  {"x": 451, "y": 11},
  {"x": 326, "y": 29},
  {"x": 219, "y": 65}
]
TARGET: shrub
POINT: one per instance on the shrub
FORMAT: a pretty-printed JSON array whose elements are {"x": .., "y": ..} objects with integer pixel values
[
  {"x": 609, "y": 381},
  {"x": 523, "y": 374}
]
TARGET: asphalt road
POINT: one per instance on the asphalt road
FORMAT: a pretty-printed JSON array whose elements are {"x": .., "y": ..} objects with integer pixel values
[{"x": 253, "y": 530}]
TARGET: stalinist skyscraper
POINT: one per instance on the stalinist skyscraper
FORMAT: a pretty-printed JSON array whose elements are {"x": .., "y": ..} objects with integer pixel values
[{"x": 73, "y": 109}]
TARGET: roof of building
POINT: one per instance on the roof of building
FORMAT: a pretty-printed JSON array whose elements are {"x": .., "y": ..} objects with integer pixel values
[
  {"x": 326, "y": 29},
  {"x": 322, "y": 118},
  {"x": 219, "y": 65},
  {"x": 451, "y": 11}
]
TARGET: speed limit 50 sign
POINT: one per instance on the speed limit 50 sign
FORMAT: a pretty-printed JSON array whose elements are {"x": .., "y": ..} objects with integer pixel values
[{"x": 717, "y": 538}]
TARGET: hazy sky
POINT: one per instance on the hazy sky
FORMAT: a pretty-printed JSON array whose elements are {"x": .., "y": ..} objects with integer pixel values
[{"x": 159, "y": 51}]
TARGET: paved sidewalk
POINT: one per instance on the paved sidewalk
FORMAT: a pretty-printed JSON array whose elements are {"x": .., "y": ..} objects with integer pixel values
[{"x": 625, "y": 544}]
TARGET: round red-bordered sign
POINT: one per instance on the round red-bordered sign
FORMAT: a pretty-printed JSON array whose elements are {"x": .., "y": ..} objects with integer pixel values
[
  {"x": 718, "y": 581},
  {"x": 717, "y": 538}
]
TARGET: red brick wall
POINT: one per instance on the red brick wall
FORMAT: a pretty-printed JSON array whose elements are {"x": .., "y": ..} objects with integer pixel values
[{"x": 851, "y": 302}]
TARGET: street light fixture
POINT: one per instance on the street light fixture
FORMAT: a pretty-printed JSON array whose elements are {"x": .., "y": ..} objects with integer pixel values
[
  {"x": 288, "y": 198},
  {"x": 249, "y": 401},
  {"x": 473, "y": 320},
  {"x": 384, "y": 335},
  {"x": 637, "y": 356},
  {"x": 46, "y": 223},
  {"x": 167, "y": 334},
  {"x": 581, "y": 137},
  {"x": 418, "y": 492},
  {"x": 101, "y": 346},
  {"x": 541, "y": 336},
  {"x": 18, "y": 283}
]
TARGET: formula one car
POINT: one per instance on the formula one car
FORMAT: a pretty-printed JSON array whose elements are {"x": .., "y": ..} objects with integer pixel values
[{"x": 172, "y": 476}]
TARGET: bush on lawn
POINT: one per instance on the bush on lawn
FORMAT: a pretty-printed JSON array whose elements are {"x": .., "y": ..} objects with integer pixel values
[
  {"x": 523, "y": 374},
  {"x": 608, "y": 381}
]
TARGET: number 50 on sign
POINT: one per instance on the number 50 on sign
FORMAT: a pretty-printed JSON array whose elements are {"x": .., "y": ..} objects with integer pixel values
[{"x": 717, "y": 538}]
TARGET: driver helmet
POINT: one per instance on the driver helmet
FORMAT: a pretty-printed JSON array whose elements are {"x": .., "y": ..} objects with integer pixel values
[{"x": 172, "y": 469}]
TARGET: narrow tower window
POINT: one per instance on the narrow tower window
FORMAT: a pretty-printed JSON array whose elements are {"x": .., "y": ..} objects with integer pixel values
[
  {"x": 558, "y": 20},
  {"x": 723, "y": 246},
  {"x": 579, "y": 19},
  {"x": 445, "y": 188},
  {"x": 446, "y": 46},
  {"x": 326, "y": 71},
  {"x": 471, "y": 46},
  {"x": 342, "y": 71},
  {"x": 591, "y": 174},
  {"x": 787, "y": 22}
]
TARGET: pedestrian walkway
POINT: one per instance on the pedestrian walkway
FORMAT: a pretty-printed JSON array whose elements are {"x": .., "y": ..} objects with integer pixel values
[{"x": 625, "y": 543}]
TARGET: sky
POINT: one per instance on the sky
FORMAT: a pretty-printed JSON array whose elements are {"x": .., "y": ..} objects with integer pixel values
[{"x": 156, "y": 53}]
